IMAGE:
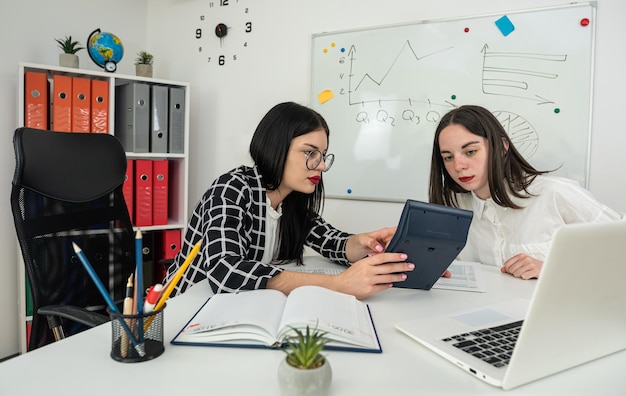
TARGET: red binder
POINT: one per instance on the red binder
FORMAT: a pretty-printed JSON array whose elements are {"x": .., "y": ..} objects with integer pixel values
[
  {"x": 167, "y": 246},
  {"x": 143, "y": 193},
  {"x": 81, "y": 104},
  {"x": 62, "y": 103},
  {"x": 160, "y": 181},
  {"x": 36, "y": 100},
  {"x": 170, "y": 244},
  {"x": 99, "y": 106},
  {"x": 128, "y": 188}
]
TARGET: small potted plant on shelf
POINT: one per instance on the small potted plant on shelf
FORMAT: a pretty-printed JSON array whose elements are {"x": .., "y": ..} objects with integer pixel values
[
  {"x": 68, "y": 57},
  {"x": 305, "y": 371},
  {"x": 143, "y": 64}
]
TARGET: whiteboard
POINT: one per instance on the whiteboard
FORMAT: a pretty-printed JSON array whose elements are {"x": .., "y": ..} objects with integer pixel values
[{"x": 382, "y": 91}]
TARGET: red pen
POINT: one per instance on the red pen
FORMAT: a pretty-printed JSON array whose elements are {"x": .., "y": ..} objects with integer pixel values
[{"x": 154, "y": 292}]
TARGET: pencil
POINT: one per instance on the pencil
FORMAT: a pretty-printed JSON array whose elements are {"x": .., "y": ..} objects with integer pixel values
[
  {"x": 94, "y": 277},
  {"x": 172, "y": 283},
  {"x": 128, "y": 309},
  {"x": 139, "y": 281}
]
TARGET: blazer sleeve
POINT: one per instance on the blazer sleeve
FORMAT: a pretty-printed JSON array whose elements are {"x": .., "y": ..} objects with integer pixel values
[{"x": 328, "y": 241}]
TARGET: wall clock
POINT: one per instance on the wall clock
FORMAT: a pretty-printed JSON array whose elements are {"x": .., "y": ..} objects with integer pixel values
[{"x": 223, "y": 32}]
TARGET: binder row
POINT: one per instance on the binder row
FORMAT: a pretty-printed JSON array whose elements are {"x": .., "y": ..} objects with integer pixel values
[
  {"x": 146, "y": 191},
  {"x": 150, "y": 118},
  {"x": 77, "y": 104}
]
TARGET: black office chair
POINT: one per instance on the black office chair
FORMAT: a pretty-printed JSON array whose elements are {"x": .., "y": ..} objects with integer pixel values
[{"x": 67, "y": 187}]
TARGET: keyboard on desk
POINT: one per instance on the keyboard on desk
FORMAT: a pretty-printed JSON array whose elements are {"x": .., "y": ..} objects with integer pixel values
[{"x": 493, "y": 345}]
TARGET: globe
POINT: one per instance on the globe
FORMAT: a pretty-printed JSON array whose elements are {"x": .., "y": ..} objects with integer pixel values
[{"x": 105, "y": 49}]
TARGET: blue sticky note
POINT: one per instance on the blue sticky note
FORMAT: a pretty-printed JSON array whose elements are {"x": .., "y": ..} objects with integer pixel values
[{"x": 505, "y": 25}]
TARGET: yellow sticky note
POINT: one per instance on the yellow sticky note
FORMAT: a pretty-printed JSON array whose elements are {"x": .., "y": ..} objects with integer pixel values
[{"x": 325, "y": 96}]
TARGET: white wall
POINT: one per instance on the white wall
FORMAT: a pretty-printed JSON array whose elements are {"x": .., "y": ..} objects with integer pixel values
[
  {"x": 228, "y": 102},
  {"x": 28, "y": 29}
]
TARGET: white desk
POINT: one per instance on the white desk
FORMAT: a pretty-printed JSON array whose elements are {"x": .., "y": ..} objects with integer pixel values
[{"x": 404, "y": 367}]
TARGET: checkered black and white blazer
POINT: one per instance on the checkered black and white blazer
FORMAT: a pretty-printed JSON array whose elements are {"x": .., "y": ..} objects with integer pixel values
[{"x": 230, "y": 218}]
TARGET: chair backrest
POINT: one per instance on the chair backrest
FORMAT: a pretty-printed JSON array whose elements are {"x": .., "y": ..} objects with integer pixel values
[{"x": 67, "y": 187}]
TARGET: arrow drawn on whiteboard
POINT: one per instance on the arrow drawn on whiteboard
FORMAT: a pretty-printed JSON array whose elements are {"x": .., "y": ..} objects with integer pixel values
[{"x": 502, "y": 79}]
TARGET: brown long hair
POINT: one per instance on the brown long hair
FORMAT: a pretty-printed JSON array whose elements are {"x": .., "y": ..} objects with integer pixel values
[{"x": 508, "y": 171}]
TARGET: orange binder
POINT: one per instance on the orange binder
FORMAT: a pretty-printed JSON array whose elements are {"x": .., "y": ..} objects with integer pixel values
[
  {"x": 160, "y": 182},
  {"x": 99, "y": 106},
  {"x": 62, "y": 103},
  {"x": 81, "y": 104},
  {"x": 128, "y": 188},
  {"x": 36, "y": 100},
  {"x": 143, "y": 193}
]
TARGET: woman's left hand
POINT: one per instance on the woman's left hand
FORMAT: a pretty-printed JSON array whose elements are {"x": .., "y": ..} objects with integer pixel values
[
  {"x": 361, "y": 245},
  {"x": 522, "y": 266}
]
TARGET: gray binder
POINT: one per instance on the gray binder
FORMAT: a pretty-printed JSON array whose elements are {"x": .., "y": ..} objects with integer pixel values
[
  {"x": 177, "y": 120},
  {"x": 159, "y": 119},
  {"x": 132, "y": 116}
]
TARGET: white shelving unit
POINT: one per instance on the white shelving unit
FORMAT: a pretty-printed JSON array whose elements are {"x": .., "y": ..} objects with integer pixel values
[{"x": 178, "y": 163}]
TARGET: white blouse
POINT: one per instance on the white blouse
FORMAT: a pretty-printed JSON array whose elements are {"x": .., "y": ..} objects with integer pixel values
[
  {"x": 271, "y": 231},
  {"x": 498, "y": 233}
]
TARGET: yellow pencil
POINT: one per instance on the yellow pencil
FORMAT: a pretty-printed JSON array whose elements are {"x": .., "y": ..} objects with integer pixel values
[{"x": 174, "y": 281}]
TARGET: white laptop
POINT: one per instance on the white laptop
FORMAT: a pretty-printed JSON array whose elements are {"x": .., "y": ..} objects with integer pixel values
[{"x": 577, "y": 314}]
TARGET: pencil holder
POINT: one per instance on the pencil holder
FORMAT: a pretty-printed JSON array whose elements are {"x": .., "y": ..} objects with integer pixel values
[{"x": 136, "y": 338}]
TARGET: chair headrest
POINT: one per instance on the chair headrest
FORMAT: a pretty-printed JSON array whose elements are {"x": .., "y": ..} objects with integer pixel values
[{"x": 70, "y": 166}]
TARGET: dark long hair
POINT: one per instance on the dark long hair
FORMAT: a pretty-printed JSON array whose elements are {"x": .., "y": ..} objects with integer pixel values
[
  {"x": 508, "y": 171},
  {"x": 269, "y": 149}
]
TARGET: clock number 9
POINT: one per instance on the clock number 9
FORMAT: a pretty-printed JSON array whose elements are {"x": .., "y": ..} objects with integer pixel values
[{"x": 198, "y": 33}]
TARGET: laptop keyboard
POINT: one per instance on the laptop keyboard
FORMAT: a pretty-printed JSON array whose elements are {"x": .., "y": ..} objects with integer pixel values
[{"x": 493, "y": 345}]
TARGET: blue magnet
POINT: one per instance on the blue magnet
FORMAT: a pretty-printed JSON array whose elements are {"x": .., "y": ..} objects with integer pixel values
[{"x": 505, "y": 25}]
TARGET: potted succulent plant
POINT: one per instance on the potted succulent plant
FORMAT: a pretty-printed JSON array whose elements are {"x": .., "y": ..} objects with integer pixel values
[
  {"x": 68, "y": 57},
  {"x": 143, "y": 64},
  {"x": 305, "y": 371}
]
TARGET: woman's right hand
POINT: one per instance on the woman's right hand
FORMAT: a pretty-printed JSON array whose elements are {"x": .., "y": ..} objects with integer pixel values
[{"x": 372, "y": 274}]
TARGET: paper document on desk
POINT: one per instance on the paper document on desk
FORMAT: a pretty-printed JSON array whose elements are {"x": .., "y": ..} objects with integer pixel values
[{"x": 466, "y": 276}]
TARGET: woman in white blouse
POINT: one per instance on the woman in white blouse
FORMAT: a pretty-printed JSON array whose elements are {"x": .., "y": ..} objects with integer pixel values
[{"x": 517, "y": 208}]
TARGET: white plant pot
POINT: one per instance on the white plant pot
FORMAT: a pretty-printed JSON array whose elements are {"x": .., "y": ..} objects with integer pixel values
[
  {"x": 143, "y": 70},
  {"x": 68, "y": 60},
  {"x": 298, "y": 382}
]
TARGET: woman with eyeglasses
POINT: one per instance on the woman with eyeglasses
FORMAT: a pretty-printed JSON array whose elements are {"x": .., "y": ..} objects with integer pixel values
[{"x": 254, "y": 218}]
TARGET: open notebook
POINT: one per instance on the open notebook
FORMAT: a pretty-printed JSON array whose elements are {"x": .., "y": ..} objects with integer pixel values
[{"x": 577, "y": 314}]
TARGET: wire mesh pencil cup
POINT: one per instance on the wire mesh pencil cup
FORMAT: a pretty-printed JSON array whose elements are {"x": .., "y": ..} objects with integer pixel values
[{"x": 137, "y": 338}]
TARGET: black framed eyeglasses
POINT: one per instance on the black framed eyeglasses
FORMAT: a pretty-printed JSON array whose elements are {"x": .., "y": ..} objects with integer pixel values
[{"x": 315, "y": 157}]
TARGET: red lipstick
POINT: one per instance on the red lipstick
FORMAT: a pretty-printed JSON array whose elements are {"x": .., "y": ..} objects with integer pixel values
[
  {"x": 466, "y": 179},
  {"x": 315, "y": 179}
]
